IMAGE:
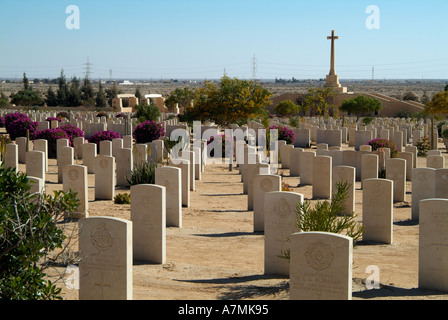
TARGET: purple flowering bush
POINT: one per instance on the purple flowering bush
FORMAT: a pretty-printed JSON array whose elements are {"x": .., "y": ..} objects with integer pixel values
[
  {"x": 72, "y": 131},
  {"x": 52, "y": 135},
  {"x": 148, "y": 131},
  {"x": 17, "y": 123},
  {"x": 53, "y": 118},
  {"x": 99, "y": 136},
  {"x": 283, "y": 134},
  {"x": 2, "y": 122},
  {"x": 378, "y": 144}
]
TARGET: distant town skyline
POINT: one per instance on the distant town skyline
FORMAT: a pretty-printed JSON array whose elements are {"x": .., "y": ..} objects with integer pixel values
[{"x": 199, "y": 39}]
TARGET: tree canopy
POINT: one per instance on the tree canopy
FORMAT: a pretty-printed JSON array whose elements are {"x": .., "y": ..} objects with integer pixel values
[
  {"x": 361, "y": 105},
  {"x": 318, "y": 101},
  {"x": 183, "y": 97},
  {"x": 438, "y": 104},
  {"x": 229, "y": 101},
  {"x": 286, "y": 108}
]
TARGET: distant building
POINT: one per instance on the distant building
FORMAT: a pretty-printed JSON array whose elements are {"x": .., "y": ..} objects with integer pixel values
[{"x": 125, "y": 83}]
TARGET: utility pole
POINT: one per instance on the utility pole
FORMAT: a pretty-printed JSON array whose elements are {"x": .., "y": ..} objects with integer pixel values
[
  {"x": 88, "y": 68},
  {"x": 254, "y": 68}
]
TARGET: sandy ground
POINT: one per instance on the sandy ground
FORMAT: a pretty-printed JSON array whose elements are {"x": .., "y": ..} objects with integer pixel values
[{"x": 215, "y": 255}]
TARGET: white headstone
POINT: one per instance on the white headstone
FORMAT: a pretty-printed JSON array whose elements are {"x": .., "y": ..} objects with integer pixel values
[
  {"x": 321, "y": 266},
  {"x": 75, "y": 179},
  {"x": 171, "y": 179},
  {"x": 322, "y": 175},
  {"x": 377, "y": 210},
  {"x": 433, "y": 245},
  {"x": 261, "y": 185},
  {"x": 148, "y": 215},
  {"x": 105, "y": 268},
  {"x": 279, "y": 224},
  {"x": 104, "y": 178}
]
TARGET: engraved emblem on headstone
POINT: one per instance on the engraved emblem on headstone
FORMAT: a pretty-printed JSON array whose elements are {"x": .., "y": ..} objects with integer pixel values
[
  {"x": 101, "y": 238},
  {"x": 266, "y": 185},
  {"x": 319, "y": 255},
  {"x": 73, "y": 174},
  {"x": 103, "y": 163},
  {"x": 282, "y": 208}
]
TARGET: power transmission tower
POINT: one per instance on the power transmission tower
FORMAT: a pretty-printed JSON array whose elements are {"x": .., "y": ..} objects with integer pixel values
[
  {"x": 110, "y": 75},
  {"x": 87, "y": 68},
  {"x": 254, "y": 68}
]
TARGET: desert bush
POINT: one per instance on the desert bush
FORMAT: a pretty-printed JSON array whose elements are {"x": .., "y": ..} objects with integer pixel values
[
  {"x": 423, "y": 146},
  {"x": 122, "y": 198},
  {"x": 148, "y": 131},
  {"x": 327, "y": 216},
  {"x": 411, "y": 96},
  {"x": 31, "y": 232},
  {"x": 17, "y": 124},
  {"x": 143, "y": 173},
  {"x": 294, "y": 122},
  {"x": 378, "y": 144}
]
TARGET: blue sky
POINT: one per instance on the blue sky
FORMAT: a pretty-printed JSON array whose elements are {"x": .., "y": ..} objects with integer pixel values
[{"x": 174, "y": 39}]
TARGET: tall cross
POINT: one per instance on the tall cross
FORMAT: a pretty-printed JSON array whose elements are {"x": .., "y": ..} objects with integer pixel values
[{"x": 332, "y": 37}]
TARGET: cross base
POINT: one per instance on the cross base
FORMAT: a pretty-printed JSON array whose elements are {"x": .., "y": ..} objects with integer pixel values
[{"x": 332, "y": 81}]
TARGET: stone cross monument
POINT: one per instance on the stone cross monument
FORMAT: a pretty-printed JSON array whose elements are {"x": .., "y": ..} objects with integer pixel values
[{"x": 332, "y": 79}]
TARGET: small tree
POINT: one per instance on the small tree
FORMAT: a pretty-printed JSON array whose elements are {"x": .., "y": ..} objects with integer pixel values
[
  {"x": 318, "y": 101},
  {"x": 87, "y": 93},
  {"x": 100, "y": 98},
  {"x": 51, "y": 99},
  {"x": 286, "y": 108},
  {"x": 63, "y": 91},
  {"x": 27, "y": 96},
  {"x": 182, "y": 97},
  {"x": 147, "y": 112},
  {"x": 230, "y": 101},
  {"x": 361, "y": 105},
  {"x": 437, "y": 106}
]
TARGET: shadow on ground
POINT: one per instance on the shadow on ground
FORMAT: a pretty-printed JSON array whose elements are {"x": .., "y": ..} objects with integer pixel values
[{"x": 237, "y": 288}]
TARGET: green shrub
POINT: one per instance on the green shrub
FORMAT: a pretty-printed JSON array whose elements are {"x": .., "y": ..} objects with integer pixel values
[
  {"x": 122, "y": 198},
  {"x": 144, "y": 173},
  {"x": 147, "y": 112},
  {"x": 30, "y": 228},
  {"x": 327, "y": 216}
]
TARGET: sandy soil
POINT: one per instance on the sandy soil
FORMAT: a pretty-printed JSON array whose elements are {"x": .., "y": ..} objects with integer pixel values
[{"x": 216, "y": 255}]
